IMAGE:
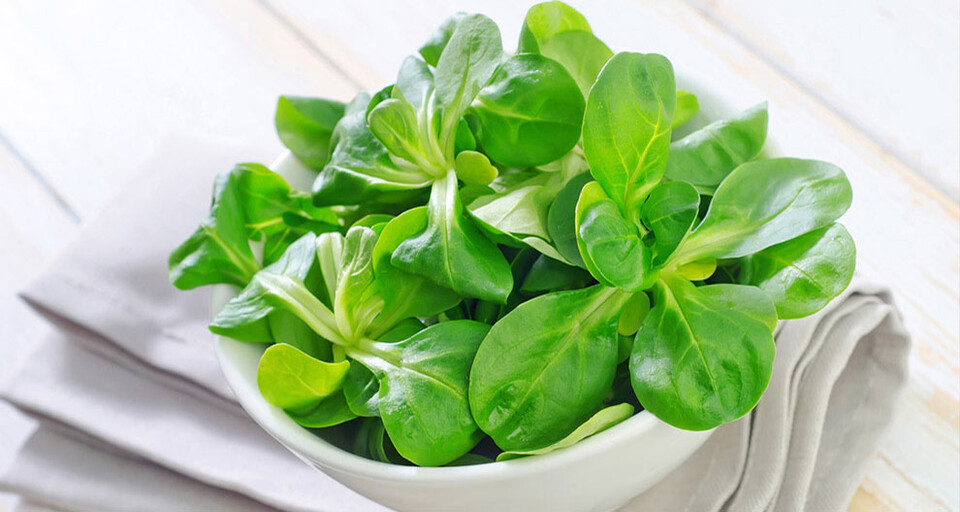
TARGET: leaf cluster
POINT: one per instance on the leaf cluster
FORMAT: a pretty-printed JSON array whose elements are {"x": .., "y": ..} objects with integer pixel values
[{"x": 504, "y": 254}]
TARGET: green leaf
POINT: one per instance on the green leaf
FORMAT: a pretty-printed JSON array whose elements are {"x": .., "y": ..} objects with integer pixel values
[
  {"x": 610, "y": 245},
  {"x": 394, "y": 123},
  {"x": 548, "y": 274},
  {"x": 423, "y": 390},
  {"x": 562, "y": 219},
  {"x": 332, "y": 411},
  {"x": 545, "y": 367},
  {"x": 361, "y": 389},
  {"x": 270, "y": 206},
  {"x": 405, "y": 294},
  {"x": 474, "y": 168},
  {"x": 669, "y": 212},
  {"x": 633, "y": 314},
  {"x": 452, "y": 252},
  {"x": 360, "y": 168},
  {"x": 373, "y": 442},
  {"x": 290, "y": 379},
  {"x": 546, "y": 20},
  {"x": 415, "y": 84},
  {"x": 520, "y": 210},
  {"x": 804, "y": 274},
  {"x": 687, "y": 107},
  {"x": 766, "y": 202},
  {"x": 466, "y": 64},
  {"x": 705, "y": 157},
  {"x": 218, "y": 251},
  {"x": 356, "y": 300},
  {"x": 305, "y": 126},
  {"x": 581, "y": 53},
  {"x": 433, "y": 48},
  {"x": 530, "y": 113},
  {"x": 597, "y": 423},
  {"x": 280, "y": 286},
  {"x": 285, "y": 327},
  {"x": 626, "y": 127},
  {"x": 748, "y": 300},
  {"x": 699, "y": 362}
]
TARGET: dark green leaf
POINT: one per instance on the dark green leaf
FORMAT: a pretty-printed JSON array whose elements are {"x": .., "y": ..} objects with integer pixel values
[
  {"x": 530, "y": 113},
  {"x": 562, "y": 219},
  {"x": 765, "y": 202},
  {"x": 333, "y": 410},
  {"x": 698, "y": 362},
  {"x": 545, "y": 367},
  {"x": 405, "y": 294},
  {"x": 452, "y": 252},
  {"x": 804, "y": 274},
  {"x": 669, "y": 212},
  {"x": 361, "y": 389},
  {"x": 597, "y": 423},
  {"x": 548, "y": 274},
  {"x": 705, "y": 157},
  {"x": 360, "y": 168},
  {"x": 423, "y": 390}
]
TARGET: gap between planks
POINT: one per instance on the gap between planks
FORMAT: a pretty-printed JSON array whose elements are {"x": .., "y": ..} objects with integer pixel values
[
  {"x": 38, "y": 178},
  {"x": 935, "y": 186}
]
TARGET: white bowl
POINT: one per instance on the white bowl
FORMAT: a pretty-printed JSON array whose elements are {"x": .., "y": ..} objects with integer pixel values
[{"x": 600, "y": 473}]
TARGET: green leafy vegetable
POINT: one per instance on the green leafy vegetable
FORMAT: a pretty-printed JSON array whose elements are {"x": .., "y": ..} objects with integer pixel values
[
  {"x": 530, "y": 113},
  {"x": 305, "y": 126},
  {"x": 626, "y": 127},
  {"x": 291, "y": 379},
  {"x": 687, "y": 107},
  {"x": 451, "y": 252},
  {"x": 705, "y": 157},
  {"x": 597, "y": 423},
  {"x": 697, "y": 364},
  {"x": 545, "y": 367},
  {"x": 802, "y": 275},
  {"x": 218, "y": 251},
  {"x": 668, "y": 213},
  {"x": 767, "y": 202},
  {"x": 546, "y": 20},
  {"x": 503, "y": 255}
]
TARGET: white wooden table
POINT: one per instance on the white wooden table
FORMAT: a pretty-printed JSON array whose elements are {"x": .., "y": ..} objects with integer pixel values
[{"x": 89, "y": 88}]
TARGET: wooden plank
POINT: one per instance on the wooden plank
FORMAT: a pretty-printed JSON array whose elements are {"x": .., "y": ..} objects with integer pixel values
[
  {"x": 907, "y": 230},
  {"x": 91, "y": 87},
  {"x": 33, "y": 225},
  {"x": 890, "y": 68}
]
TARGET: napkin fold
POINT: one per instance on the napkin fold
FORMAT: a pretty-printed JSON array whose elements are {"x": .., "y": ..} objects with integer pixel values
[{"x": 135, "y": 415}]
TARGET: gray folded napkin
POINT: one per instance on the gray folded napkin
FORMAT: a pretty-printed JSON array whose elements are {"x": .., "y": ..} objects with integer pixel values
[{"x": 134, "y": 414}]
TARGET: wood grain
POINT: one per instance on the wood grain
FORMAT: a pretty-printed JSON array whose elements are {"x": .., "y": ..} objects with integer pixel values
[
  {"x": 91, "y": 87},
  {"x": 890, "y": 68}
]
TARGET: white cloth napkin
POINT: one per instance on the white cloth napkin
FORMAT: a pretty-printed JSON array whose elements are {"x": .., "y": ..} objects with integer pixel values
[{"x": 136, "y": 416}]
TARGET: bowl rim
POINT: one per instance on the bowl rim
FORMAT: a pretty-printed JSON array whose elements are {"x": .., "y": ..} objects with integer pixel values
[{"x": 320, "y": 452}]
